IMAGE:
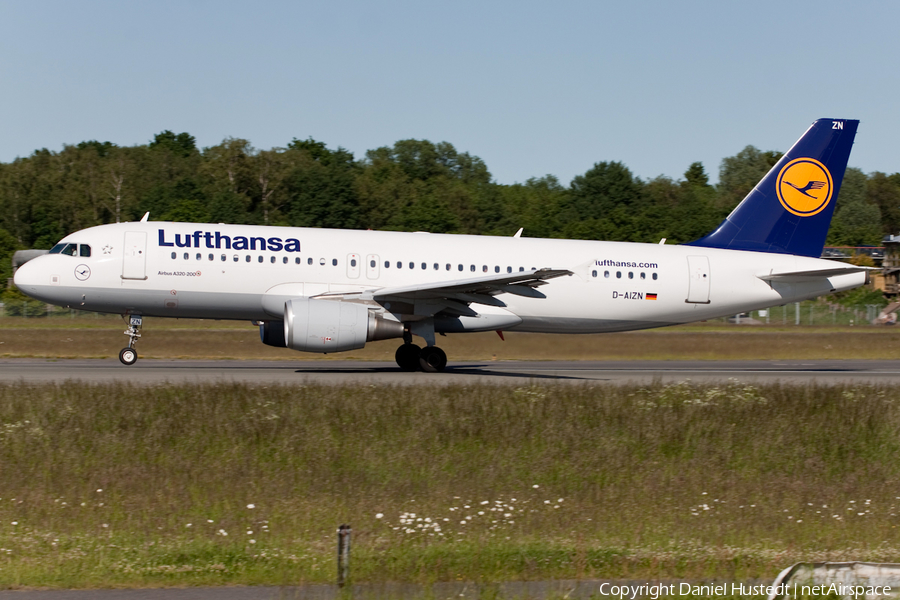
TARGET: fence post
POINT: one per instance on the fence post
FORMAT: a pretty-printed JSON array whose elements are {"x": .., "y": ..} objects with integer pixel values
[
  {"x": 343, "y": 555},
  {"x": 796, "y": 313}
]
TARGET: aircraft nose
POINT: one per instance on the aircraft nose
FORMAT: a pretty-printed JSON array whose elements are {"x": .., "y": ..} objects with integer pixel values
[{"x": 27, "y": 276}]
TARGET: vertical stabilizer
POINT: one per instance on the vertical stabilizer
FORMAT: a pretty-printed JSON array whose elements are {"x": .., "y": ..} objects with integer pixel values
[{"x": 789, "y": 211}]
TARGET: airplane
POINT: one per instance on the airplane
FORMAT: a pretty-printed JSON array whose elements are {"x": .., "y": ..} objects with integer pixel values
[{"x": 330, "y": 290}]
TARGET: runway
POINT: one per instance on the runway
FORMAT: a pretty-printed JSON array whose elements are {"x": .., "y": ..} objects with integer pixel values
[{"x": 161, "y": 372}]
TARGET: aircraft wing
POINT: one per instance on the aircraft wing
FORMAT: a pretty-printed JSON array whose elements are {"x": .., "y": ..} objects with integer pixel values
[
  {"x": 798, "y": 276},
  {"x": 454, "y": 296}
]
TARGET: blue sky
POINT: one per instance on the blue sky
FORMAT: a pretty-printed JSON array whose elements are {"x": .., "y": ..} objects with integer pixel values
[{"x": 532, "y": 88}]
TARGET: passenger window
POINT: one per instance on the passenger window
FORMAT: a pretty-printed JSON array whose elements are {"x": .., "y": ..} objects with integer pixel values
[
  {"x": 460, "y": 267},
  {"x": 472, "y": 268},
  {"x": 188, "y": 256},
  {"x": 618, "y": 274},
  {"x": 223, "y": 258},
  {"x": 211, "y": 257},
  {"x": 297, "y": 260},
  {"x": 199, "y": 256},
  {"x": 484, "y": 269},
  {"x": 352, "y": 262},
  {"x": 643, "y": 276},
  {"x": 509, "y": 269},
  {"x": 448, "y": 266},
  {"x": 630, "y": 275},
  {"x": 84, "y": 250},
  {"x": 594, "y": 273},
  {"x": 654, "y": 277},
  {"x": 333, "y": 262},
  {"x": 309, "y": 260},
  {"x": 321, "y": 262},
  {"x": 436, "y": 266},
  {"x": 399, "y": 265},
  {"x": 372, "y": 263},
  {"x": 272, "y": 259},
  {"x": 236, "y": 258},
  {"x": 248, "y": 258},
  {"x": 174, "y": 255},
  {"x": 606, "y": 274},
  {"x": 424, "y": 266},
  {"x": 387, "y": 264},
  {"x": 496, "y": 269},
  {"x": 259, "y": 259},
  {"x": 284, "y": 260},
  {"x": 412, "y": 265},
  {"x": 521, "y": 269}
]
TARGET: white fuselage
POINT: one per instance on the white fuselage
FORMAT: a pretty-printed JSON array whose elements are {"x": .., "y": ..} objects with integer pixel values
[{"x": 615, "y": 286}]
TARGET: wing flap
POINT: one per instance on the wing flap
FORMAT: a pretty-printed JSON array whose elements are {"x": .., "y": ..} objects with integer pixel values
[{"x": 512, "y": 283}]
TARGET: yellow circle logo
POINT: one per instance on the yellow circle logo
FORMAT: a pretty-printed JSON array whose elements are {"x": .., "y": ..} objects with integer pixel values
[{"x": 804, "y": 187}]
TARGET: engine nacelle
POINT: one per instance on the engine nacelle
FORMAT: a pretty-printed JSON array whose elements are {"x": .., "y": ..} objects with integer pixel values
[{"x": 333, "y": 326}]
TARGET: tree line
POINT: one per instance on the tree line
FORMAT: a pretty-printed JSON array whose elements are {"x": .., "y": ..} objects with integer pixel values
[{"x": 414, "y": 185}]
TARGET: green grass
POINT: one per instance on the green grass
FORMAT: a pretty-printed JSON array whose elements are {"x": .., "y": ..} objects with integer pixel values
[{"x": 115, "y": 485}]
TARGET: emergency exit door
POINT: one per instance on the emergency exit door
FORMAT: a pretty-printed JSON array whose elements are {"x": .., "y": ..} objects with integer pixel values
[{"x": 698, "y": 281}]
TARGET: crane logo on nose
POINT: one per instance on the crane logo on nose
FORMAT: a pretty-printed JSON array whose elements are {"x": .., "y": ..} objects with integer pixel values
[
  {"x": 82, "y": 272},
  {"x": 804, "y": 187}
]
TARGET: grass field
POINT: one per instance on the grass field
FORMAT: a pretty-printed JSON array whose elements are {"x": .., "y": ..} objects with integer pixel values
[
  {"x": 114, "y": 485},
  {"x": 101, "y": 337}
]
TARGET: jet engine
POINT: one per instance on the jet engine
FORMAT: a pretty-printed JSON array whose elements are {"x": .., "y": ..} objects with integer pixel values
[{"x": 333, "y": 326}]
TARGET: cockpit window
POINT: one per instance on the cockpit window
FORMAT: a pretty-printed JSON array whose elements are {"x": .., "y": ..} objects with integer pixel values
[
  {"x": 84, "y": 250},
  {"x": 70, "y": 250},
  {"x": 57, "y": 248}
]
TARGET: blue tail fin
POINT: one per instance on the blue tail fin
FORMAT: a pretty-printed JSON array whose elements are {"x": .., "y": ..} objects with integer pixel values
[{"x": 789, "y": 211}]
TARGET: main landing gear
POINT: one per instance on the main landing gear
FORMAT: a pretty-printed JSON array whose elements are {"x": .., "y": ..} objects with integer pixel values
[
  {"x": 410, "y": 357},
  {"x": 128, "y": 355}
]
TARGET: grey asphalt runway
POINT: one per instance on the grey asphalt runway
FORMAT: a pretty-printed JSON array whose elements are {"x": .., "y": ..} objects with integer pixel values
[
  {"x": 160, "y": 372},
  {"x": 575, "y": 589}
]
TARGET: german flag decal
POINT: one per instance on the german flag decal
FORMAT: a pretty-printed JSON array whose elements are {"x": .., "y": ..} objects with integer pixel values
[{"x": 650, "y": 296}]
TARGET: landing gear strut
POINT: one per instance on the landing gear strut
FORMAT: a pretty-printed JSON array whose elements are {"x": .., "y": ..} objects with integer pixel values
[{"x": 128, "y": 355}]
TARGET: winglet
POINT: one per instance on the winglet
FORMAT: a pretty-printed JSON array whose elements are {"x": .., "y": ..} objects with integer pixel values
[
  {"x": 519, "y": 232},
  {"x": 789, "y": 211},
  {"x": 145, "y": 217}
]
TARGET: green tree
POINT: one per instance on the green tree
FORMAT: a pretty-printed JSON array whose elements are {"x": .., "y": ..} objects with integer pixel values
[
  {"x": 738, "y": 175},
  {"x": 884, "y": 192},
  {"x": 856, "y": 224},
  {"x": 8, "y": 247},
  {"x": 533, "y": 205},
  {"x": 321, "y": 186},
  {"x": 602, "y": 203},
  {"x": 181, "y": 144}
]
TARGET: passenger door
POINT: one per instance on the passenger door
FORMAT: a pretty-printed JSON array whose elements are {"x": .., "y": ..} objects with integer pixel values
[{"x": 134, "y": 262}]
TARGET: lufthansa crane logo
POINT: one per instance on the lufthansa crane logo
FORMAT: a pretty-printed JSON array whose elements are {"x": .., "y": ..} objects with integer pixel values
[{"x": 804, "y": 187}]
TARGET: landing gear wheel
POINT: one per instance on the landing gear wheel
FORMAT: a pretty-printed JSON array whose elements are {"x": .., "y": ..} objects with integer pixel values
[
  {"x": 432, "y": 359},
  {"x": 128, "y": 356},
  {"x": 407, "y": 357}
]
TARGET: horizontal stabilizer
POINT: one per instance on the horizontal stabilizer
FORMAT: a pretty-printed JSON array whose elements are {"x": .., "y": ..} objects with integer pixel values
[{"x": 797, "y": 276}]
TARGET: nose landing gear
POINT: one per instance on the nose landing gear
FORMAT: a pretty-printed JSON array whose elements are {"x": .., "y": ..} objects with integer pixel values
[{"x": 128, "y": 355}]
